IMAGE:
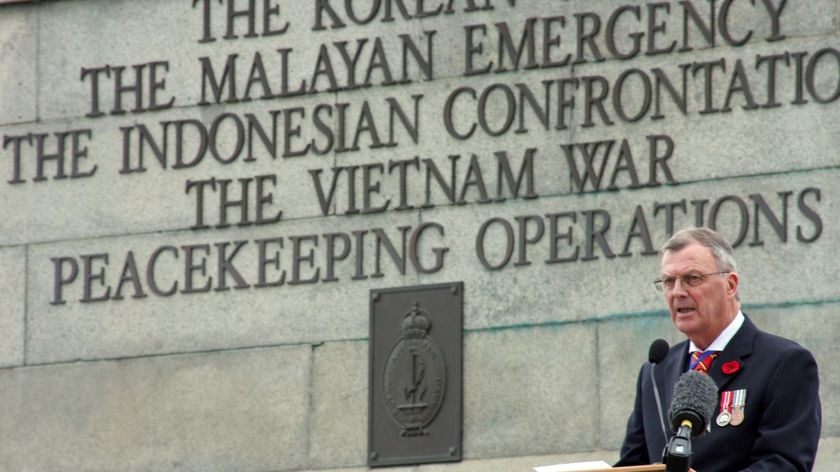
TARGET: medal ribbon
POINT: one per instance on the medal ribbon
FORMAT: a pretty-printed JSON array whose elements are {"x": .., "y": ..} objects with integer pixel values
[
  {"x": 740, "y": 398},
  {"x": 726, "y": 402}
]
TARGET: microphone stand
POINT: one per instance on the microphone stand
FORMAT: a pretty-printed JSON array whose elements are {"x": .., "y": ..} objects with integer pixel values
[{"x": 658, "y": 402}]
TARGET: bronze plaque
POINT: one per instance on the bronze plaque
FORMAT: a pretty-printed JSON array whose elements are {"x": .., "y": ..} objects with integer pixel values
[{"x": 415, "y": 387}]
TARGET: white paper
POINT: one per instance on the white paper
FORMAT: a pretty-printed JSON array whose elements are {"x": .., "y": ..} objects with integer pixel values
[{"x": 591, "y": 465}]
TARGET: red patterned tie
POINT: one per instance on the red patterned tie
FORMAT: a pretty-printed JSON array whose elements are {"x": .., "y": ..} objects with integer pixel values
[{"x": 703, "y": 360}]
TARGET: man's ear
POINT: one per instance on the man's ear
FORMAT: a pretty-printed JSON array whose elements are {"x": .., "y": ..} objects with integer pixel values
[{"x": 732, "y": 280}]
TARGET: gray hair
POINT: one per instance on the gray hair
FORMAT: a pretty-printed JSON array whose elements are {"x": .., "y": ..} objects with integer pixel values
[{"x": 719, "y": 247}]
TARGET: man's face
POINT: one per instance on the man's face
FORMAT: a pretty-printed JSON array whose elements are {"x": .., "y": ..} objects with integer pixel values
[{"x": 700, "y": 312}]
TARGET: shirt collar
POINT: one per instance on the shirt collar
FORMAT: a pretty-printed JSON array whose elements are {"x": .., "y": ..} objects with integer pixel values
[{"x": 724, "y": 337}]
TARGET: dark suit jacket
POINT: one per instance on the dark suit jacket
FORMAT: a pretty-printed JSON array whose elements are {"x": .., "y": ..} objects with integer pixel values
[{"x": 782, "y": 416}]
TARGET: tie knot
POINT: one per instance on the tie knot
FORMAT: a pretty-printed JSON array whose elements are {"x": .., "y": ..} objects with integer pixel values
[{"x": 702, "y": 360}]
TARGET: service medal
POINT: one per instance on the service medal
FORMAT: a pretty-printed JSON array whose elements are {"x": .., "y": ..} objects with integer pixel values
[
  {"x": 740, "y": 400},
  {"x": 725, "y": 416}
]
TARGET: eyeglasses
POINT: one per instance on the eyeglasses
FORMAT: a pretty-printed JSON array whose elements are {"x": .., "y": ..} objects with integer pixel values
[{"x": 666, "y": 284}]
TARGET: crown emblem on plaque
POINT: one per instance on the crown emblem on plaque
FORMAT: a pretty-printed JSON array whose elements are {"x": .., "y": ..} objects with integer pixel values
[{"x": 415, "y": 323}]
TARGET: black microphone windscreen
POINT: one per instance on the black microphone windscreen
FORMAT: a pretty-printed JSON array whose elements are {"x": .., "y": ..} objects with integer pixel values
[
  {"x": 658, "y": 351},
  {"x": 695, "y": 399}
]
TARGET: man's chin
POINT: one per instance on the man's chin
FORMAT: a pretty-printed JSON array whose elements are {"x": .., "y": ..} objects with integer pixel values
[{"x": 686, "y": 323}]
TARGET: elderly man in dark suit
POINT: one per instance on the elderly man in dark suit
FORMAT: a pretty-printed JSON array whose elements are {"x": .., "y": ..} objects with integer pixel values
[{"x": 768, "y": 415}]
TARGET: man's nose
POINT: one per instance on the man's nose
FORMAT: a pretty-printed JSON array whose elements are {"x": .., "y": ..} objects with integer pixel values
[{"x": 679, "y": 286}]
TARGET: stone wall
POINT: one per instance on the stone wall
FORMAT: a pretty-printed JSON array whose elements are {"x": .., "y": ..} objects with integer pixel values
[{"x": 196, "y": 207}]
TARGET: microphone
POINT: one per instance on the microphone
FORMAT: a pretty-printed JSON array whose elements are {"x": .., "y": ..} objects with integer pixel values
[
  {"x": 658, "y": 350},
  {"x": 694, "y": 402}
]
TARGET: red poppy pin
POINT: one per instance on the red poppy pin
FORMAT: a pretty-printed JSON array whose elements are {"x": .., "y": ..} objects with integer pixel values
[{"x": 731, "y": 367}]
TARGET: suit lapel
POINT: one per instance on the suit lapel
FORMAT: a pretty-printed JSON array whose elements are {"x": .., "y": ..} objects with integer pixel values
[{"x": 738, "y": 349}]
